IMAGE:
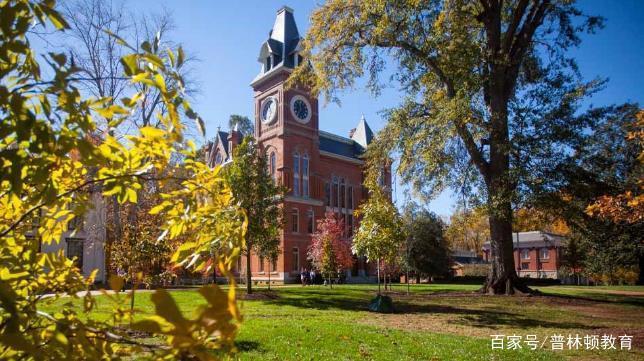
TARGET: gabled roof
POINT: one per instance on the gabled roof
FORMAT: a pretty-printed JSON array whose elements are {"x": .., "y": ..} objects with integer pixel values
[
  {"x": 223, "y": 138},
  {"x": 220, "y": 138},
  {"x": 363, "y": 134}
]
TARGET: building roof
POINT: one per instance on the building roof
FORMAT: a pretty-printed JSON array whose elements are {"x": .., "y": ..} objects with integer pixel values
[
  {"x": 352, "y": 147},
  {"x": 363, "y": 134},
  {"x": 339, "y": 145},
  {"x": 283, "y": 40},
  {"x": 533, "y": 239}
]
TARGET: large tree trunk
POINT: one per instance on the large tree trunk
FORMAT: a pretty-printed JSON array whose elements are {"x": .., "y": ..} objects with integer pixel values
[
  {"x": 249, "y": 288},
  {"x": 502, "y": 278}
]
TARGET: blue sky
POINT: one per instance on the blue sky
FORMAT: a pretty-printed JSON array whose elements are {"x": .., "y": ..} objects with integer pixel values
[{"x": 226, "y": 36}]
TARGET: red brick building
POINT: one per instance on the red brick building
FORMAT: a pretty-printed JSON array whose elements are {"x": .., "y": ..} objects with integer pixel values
[
  {"x": 323, "y": 171},
  {"x": 536, "y": 254}
]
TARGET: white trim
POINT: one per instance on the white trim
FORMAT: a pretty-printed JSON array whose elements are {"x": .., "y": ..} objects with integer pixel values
[
  {"x": 261, "y": 110},
  {"x": 341, "y": 157},
  {"x": 264, "y": 76}
]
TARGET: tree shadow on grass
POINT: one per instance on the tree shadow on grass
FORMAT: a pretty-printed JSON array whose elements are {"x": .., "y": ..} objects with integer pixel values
[
  {"x": 599, "y": 298},
  {"x": 485, "y": 318},
  {"x": 247, "y": 346},
  {"x": 325, "y": 299},
  {"x": 322, "y": 299}
]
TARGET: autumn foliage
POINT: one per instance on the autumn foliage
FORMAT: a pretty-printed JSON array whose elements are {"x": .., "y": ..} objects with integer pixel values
[
  {"x": 627, "y": 207},
  {"x": 329, "y": 252}
]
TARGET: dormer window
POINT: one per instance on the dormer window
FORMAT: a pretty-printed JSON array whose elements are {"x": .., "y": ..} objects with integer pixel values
[{"x": 269, "y": 63}]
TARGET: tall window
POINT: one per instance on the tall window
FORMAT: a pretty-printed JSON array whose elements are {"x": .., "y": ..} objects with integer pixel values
[
  {"x": 310, "y": 221},
  {"x": 273, "y": 266},
  {"x": 296, "y": 259},
  {"x": 261, "y": 264},
  {"x": 327, "y": 194},
  {"x": 272, "y": 164},
  {"x": 350, "y": 198},
  {"x": 335, "y": 192},
  {"x": 350, "y": 225},
  {"x": 342, "y": 194},
  {"x": 296, "y": 174},
  {"x": 295, "y": 220},
  {"x": 525, "y": 253},
  {"x": 75, "y": 251},
  {"x": 544, "y": 253},
  {"x": 305, "y": 175},
  {"x": 218, "y": 158}
]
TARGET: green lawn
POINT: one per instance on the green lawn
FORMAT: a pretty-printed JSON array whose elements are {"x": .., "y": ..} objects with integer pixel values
[{"x": 435, "y": 322}]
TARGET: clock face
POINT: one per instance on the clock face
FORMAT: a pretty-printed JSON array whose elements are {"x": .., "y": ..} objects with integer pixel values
[
  {"x": 301, "y": 109},
  {"x": 269, "y": 110}
]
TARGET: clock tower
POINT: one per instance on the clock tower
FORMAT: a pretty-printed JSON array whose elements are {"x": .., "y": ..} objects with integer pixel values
[
  {"x": 286, "y": 119},
  {"x": 322, "y": 172}
]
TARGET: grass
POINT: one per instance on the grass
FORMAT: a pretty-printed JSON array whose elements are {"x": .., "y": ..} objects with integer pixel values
[{"x": 434, "y": 322}]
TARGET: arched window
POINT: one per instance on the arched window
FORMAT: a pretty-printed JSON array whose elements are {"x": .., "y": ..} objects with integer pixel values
[
  {"x": 218, "y": 158},
  {"x": 305, "y": 175},
  {"x": 296, "y": 174},
  {"x": 272, "y": 163}
]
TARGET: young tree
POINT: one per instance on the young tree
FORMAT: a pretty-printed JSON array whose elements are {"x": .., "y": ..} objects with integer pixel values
[
  {"x": 328, "y": 252},
  {"x": 50, "y": 158},
  {"x": 426, "y": 251},
  {"x": 492, "y": 96},
  {"x": 381, "y": 232},
  {"x": 257, "y": 193}
]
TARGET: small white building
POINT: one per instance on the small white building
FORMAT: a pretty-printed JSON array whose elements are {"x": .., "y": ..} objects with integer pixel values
[{"x": 85, "y": 239}]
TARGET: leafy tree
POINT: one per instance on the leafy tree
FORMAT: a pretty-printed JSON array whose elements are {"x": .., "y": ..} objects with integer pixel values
[
  {"x": 492, "y": 98},
  {"x": 51, "y": 156},
  {"x": 328, "y": 252},
  {"x": 256, "y": 192},
  {"x": 427, "y": 251},
  {"x": 627, "y": 207},
  {"x": 242, "y": 123},
  {"x": 605, "y": 164},
  {"x": 468, "y": 229},
  {"x": 381, "y": 232}
]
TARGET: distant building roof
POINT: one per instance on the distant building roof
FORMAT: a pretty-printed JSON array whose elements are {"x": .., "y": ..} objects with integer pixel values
[
  {"x": 533, "y": 239},
  {"x": 466, "y": 257}
]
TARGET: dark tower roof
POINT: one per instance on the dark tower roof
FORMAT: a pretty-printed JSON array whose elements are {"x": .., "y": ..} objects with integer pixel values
[{"x": 282, "y": 46}]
